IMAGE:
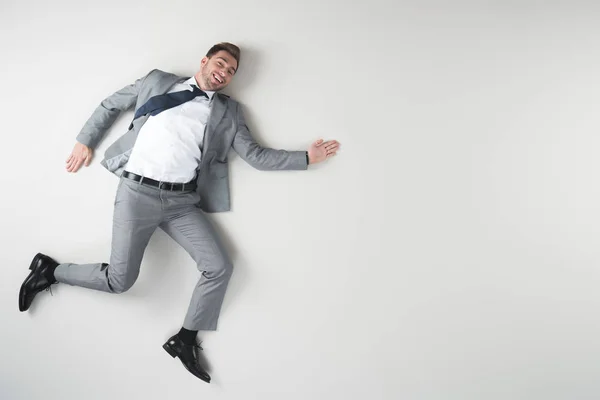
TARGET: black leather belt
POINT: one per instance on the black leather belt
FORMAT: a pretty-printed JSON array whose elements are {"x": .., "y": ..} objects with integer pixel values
[{"x": 176, "y": 187}]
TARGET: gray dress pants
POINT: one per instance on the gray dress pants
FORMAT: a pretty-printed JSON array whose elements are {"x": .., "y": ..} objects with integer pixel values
[{"x": 139, "y": 210}]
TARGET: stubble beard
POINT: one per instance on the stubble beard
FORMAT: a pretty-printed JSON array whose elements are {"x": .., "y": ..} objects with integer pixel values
[{"x": 208, "y": 82}]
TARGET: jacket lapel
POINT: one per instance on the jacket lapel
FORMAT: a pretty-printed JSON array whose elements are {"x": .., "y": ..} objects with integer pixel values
[
  {"x": 218, "y": 110},
  {"x": 165, "y": 84}
]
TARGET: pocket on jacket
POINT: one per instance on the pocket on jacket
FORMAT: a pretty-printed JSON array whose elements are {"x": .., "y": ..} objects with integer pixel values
[{"x": 219, "y": 169}]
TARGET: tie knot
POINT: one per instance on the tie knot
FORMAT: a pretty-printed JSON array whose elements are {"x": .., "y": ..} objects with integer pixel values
[{"x": 199, "y": 92}]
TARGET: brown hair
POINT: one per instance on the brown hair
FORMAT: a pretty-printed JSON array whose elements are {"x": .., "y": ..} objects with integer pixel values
[{"x": 228, "y": 47}]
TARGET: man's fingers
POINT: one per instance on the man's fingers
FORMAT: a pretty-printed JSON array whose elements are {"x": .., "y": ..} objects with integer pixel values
[
  {"x": 88, "y": 158},
  {"x": 70, "y": 163},
  {"x": 69, "y": 159},
  {"x": 331, "y": 144},
  {"x": 332, "y": 150},
  {"x": 77, "y": 165},
  {"x": 74, "y": 165},
  {"x": 319, "y": 142}
]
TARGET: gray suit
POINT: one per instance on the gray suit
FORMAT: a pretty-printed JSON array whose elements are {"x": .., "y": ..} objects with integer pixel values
[
  {"x": 226, "y": 128},
  {"x": 140, "y": 209}
]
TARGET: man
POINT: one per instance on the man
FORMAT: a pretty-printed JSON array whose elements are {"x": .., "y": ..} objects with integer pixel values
[{"x": 172, "y": 164}]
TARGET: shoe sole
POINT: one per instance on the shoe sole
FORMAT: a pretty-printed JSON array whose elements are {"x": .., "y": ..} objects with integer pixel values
[{"x": 22, "y": 291}]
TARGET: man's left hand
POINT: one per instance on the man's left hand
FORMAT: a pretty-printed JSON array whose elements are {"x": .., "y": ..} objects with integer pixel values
[{"x": 320, "y": 150}]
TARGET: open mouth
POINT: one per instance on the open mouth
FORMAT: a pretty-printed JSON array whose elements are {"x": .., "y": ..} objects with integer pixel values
[{"x": 218, "y": 79}]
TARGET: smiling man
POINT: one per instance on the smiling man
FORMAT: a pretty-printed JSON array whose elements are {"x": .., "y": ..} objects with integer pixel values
[{"x": 172, "y": 164}]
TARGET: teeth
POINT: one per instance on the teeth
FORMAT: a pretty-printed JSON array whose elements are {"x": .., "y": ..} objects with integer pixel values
[{"x": 217, "y": 78}]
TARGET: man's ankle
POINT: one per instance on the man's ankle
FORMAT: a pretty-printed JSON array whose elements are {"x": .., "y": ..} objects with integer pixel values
[
  {"x": 187, "y": 336},
  {"x": 49, "y": 274}
]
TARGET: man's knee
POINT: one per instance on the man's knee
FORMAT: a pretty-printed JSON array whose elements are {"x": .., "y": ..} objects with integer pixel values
[
  {"x": 119, "y": 283},
  {"x": 222, "y": 268},
  {"x": 228, "y": 268},
  {"x": 119, "y": 287}
]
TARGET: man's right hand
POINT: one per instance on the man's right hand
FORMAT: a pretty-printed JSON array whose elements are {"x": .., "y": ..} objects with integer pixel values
[{"x": 81, "y": 154}]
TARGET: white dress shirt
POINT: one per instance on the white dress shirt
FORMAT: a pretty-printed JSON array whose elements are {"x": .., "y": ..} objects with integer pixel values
[{"x": 168, "y": 146}]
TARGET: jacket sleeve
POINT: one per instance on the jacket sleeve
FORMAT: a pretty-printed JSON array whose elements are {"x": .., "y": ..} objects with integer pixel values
[
  {"x": 264, "y": 158},
  {"x": 107, "y": 112}
]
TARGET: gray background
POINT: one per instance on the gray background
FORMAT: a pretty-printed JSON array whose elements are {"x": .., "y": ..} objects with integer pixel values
[{"x": 449, "y": 251}]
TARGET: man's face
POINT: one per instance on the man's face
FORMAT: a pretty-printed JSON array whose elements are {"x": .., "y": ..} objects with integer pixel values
[{"x": 216, "y": 72}]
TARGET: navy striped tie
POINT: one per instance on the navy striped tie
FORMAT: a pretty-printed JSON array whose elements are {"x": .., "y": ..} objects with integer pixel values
[{"x": 157, "y": 104}]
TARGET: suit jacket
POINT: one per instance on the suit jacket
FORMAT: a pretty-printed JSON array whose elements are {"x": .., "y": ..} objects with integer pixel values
[{"x": 225, "y": 129}]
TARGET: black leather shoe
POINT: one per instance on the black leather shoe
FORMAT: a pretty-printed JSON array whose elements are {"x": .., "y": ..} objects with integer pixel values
[
  {"x": 37, "y": 280},
  {"x": 188, "y": 354}
]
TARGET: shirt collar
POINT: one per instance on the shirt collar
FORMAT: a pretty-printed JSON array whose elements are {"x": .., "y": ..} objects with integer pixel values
[{"x": 192, "y": 82}]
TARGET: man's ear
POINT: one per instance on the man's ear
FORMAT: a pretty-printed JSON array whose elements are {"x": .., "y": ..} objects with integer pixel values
[{"x": 203, "y": 61}]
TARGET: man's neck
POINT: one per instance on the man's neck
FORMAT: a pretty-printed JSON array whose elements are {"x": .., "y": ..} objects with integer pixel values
[{"x": 199, "y": 84}]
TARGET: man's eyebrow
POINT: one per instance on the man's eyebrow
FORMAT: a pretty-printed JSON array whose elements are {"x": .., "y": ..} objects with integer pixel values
[{"x": 227, "y": 62}]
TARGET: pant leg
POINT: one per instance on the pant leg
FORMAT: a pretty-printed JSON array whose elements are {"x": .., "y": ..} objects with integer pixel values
[
  {"x": 193, "y": 231},
  {"x": 136, "y": 216}
]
